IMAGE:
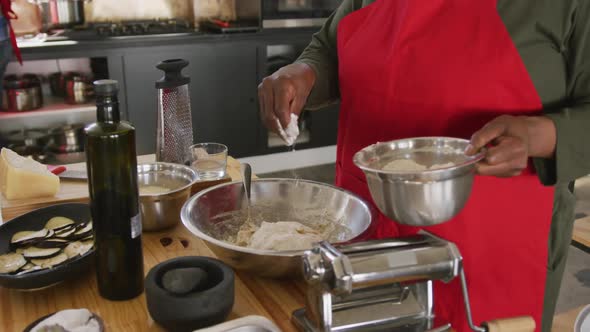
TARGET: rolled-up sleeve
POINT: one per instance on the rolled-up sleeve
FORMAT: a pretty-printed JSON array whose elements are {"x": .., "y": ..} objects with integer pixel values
[
  {"x": 322, "y": 56},
  {"x": 572, "y": 155}
]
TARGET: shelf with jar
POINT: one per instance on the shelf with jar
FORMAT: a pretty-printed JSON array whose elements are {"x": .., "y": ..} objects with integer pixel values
[
  {"x": 25, "y": 105},
  {"x": 43, "y": 114},
  {"x": 52, "y": 105},
  {"x": 59, "y": 92},
  {"x": 62, "y": 144}
]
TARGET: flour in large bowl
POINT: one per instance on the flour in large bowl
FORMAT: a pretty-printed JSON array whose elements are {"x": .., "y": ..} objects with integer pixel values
[
  {"x": 264, "y": 229},
  {"x": 283, "y": 235}
]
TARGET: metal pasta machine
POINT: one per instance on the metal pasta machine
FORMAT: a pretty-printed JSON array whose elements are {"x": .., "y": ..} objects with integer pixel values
[{"x": 384, "y": 285}]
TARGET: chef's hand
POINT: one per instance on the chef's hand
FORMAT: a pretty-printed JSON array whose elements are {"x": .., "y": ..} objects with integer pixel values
[
  {"x": 510, "y": 141},
  {"x": 283, "y": 93}
]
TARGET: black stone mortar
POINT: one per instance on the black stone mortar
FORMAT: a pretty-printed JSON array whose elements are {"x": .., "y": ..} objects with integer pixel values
[{"x": 209, "y": 303}]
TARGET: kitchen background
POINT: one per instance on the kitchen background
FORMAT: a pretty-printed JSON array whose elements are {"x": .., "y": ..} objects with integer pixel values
[{"x": 230, "y": 44}]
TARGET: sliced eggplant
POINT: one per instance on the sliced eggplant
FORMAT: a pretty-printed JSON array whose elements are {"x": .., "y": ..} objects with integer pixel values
[
  {"x": 52, "y": 243},
  {"x": 22, "y": 237},
  {"x": 78, "y": 248},
  {"x": 50, "y": 262},
  {"x": 81, "y": 236},
  {"x": 32, "y": 269},
  {"x": 50, "y": 233},
  {"x": 65, "y": 228},
  {"x": 57, "y": 223},
  {"x": 88, "y": 238},
  {"x": 11, "y": 262},
  {"x": 85, "y": 229},
  {"x": 28, "y": 266},
  {"x": 66, "y": 233},
  {"x": 35, "y": 252},
  {"x": 83, "y": 224}
]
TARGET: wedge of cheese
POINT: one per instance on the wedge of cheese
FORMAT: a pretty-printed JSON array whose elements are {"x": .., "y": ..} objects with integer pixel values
[{"x": 22, "y": 177}]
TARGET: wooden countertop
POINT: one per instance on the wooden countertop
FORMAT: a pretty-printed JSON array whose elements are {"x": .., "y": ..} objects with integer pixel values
[
  {"x": 565, "y": 321},
  {"x": 582, "y": 231},
  {"x": 254, "y": 296}
]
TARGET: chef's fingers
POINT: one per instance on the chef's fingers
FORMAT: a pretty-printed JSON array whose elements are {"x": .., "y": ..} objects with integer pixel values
[
  {"x": 283, "y": 95},
  {"x": 502, "y": 170},
  {"x": 507, "y": 149},
  {"x": 507, "y": 158},
  {"x": 298, "y": 103},
  {"x": 486, "y": 135},
  {"x": 265, "y": 99}
]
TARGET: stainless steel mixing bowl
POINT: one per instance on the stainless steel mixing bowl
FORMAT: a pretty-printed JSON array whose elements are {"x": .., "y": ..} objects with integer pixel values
[
  {"x": 216, "y": 213},
  {"x": 162, "y": 210},
  {"x": 419, "y": 198}
]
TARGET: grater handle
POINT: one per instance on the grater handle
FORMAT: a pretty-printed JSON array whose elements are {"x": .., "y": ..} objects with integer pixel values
[{"x": 173, "y": 76}]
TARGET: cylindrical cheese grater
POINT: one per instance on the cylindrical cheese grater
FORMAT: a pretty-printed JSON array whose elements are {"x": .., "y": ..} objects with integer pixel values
[{"x": 174, "y": 126}]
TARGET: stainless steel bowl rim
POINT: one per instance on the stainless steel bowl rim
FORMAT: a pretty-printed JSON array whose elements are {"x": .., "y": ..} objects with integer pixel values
[
  {"x": 469, "y": 162},
  {"x": 149, "y": 167},
  {"x": 184, "y": 216}
]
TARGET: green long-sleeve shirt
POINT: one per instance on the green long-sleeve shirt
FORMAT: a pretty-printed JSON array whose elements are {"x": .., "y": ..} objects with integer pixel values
[{"x": 553, "y": 40}]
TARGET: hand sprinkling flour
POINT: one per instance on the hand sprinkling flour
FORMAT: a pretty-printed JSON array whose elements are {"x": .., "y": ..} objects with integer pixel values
[{"x": 290, "y": 134}]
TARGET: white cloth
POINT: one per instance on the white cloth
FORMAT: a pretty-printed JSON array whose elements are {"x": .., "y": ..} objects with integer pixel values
[
  {"x": 73, "y": 320},
  {"x": 290, "y": 134}
]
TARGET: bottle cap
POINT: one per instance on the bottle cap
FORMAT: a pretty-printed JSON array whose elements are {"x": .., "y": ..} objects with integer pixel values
[{"x": 106, "y": 87}]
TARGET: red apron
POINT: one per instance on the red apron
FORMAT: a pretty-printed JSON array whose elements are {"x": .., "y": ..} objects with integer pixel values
[
  {"x": 5, "y": 8},
  {"x": 445, "y": 68}
]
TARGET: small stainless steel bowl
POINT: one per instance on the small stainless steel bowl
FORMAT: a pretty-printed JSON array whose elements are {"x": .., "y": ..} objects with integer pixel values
[
  {"x": 210, "y": 215},
  {"x": 162, "y": 210},
  {"x": 422, "y": 198}
]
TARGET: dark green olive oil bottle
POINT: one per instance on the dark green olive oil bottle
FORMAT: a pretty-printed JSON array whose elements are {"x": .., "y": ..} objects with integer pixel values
[{"x": 112, "y": 180}]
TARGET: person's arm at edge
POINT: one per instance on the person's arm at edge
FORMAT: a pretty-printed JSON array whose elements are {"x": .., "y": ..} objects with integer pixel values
[
  {"x": 571, "y": 158},
  {"x": 322, "y": 56}
]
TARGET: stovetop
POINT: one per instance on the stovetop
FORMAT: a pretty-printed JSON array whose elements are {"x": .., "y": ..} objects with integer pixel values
[{"x": 94, "y": 31}]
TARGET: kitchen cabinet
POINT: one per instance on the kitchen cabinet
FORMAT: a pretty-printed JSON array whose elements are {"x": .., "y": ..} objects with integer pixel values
[
  {"x": 225, "y": 70},
  {"x": 223, "y": 93}
]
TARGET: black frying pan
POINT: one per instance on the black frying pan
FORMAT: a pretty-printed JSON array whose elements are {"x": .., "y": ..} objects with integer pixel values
[{"x": 36, "y": 220}]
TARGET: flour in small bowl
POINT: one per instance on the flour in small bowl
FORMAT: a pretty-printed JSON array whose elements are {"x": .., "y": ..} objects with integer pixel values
[
  {"x": 404, "y": 165},
  {"x": 441, "y": 166},
  {"x": 152, "y": 190},
  {"x": 409, "y": 165}
]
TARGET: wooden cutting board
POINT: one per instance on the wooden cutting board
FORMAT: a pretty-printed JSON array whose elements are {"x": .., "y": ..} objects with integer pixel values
[{"x": 77, "y": 190}]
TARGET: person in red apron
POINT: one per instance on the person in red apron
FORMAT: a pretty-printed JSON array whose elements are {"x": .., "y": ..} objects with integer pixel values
[
  {"x": 8, "y": 45},
  {"x": 6, "y": 32},
  {"x": 510, "y": 75}
]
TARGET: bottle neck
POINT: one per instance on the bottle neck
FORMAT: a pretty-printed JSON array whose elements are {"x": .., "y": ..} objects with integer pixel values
[{"x": 107, "y": 109}]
